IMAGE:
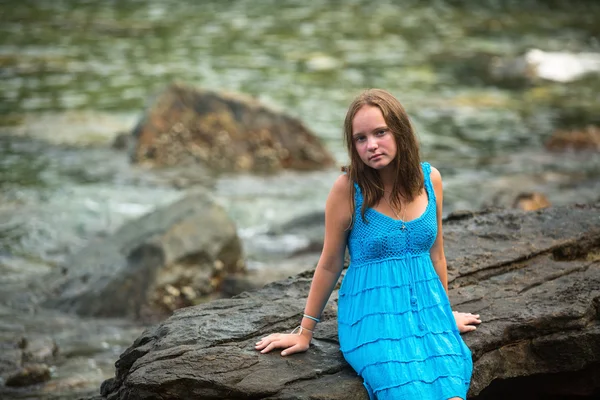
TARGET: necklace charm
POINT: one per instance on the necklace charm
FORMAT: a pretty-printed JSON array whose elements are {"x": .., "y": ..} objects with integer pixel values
[{"x": 401, "y": 219}]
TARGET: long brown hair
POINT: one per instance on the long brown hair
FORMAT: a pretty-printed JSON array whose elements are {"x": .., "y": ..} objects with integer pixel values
[{"x": 408, "y": 177}]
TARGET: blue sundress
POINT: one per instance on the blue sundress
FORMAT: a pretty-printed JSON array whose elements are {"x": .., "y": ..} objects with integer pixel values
[{"x": 395, "y": 323}]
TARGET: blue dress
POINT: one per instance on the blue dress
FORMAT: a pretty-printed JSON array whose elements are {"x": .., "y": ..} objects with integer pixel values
[{"x": 395, "y": 324}]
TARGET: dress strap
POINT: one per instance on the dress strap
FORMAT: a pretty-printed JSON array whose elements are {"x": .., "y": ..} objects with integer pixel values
[
  {"x": 358, "y": 197},
  {"x": 426, "y": 168},
  {"x": 427, "y": 176}
]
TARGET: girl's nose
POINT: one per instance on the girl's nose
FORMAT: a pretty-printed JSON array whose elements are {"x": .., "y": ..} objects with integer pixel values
[{"x": 372, "y": 143}]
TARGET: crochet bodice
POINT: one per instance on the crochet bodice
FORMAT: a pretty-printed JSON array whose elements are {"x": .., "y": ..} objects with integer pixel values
[{"x": 381, "y": 237}]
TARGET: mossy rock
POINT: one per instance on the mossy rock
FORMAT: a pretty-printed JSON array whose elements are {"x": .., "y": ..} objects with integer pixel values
[{"x": 224, "y": 132}]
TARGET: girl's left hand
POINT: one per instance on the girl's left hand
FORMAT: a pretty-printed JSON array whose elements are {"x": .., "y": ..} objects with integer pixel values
[{"x": 466, "y": 321}]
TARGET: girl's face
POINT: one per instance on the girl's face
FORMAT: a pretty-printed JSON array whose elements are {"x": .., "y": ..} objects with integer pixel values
[{"x": 373, "y": 140}]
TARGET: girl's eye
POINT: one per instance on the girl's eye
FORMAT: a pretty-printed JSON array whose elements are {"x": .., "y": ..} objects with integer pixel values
[
  {"x": 381, "y": 132},
  {"x": 359, "y": 139}
]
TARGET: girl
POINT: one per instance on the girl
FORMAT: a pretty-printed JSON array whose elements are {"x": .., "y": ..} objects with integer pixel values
[{"x": 395, "y": 324}]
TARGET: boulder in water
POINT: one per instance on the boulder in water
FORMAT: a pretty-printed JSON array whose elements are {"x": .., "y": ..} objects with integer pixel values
[
  {"x": 575, "y": 140},
  {"x": 157, "y": 263},
  {"x": 224, "y": 132}
]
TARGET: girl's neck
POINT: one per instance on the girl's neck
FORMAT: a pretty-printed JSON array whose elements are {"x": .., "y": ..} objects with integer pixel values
[{"x": 387, "y": 178}]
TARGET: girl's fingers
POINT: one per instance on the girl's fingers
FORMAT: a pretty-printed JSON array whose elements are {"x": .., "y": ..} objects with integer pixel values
[
  {"x": 291, "y": 350},
  {"x": 262, "y": 343},
  {"x": 469, "y": 318},
  {"x": 274, "y": 344}
]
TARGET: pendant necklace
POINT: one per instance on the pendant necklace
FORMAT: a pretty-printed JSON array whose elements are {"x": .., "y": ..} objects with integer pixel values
[{"x": 395, "y": 213}]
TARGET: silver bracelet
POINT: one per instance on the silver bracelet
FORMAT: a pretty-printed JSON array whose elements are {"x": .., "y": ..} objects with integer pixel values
[{"x": 298, "y": 330}]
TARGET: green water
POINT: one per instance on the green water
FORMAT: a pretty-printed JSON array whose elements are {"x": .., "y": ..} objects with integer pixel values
[
  {"x": 75, "y": 73},
  {"x": 68, "y": 55}
]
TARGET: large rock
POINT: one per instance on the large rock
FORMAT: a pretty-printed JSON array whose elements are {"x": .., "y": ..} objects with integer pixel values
[
  {"x": 159, "y": 262},
  {"x": 224, "y": 132},
  {"x": 310, "y": 227},
  {"x": 534, "y": 278},
  {"x": 575, "y": 139}
]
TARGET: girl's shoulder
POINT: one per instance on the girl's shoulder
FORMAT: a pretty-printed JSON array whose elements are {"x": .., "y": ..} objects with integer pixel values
[
  {"x": 342, "y": 185},
  {"x": 338, "y": 208}
]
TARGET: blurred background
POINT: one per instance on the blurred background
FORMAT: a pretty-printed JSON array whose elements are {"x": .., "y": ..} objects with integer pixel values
[
  {"x": 486, "y": 84},
  {"x": 504, "y": 96}
]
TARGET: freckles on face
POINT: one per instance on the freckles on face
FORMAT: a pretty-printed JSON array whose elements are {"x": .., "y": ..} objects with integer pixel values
[{"x": 372, "y": 138}]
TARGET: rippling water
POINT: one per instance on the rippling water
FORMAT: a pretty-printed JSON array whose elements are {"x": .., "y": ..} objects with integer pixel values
[
  {"x": 74, "y": 73},
  {"x": 78, "y": 72}
]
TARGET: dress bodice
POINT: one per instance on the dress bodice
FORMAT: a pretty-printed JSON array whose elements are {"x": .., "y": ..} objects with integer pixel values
[{"x": 379, "y": 237}]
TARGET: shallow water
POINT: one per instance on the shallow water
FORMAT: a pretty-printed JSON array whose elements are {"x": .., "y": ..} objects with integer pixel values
[{"x": 76, "y": 73}]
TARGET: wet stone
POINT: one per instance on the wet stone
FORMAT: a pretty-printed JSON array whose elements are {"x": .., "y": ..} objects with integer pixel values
[{"x": 29, "y": 375}]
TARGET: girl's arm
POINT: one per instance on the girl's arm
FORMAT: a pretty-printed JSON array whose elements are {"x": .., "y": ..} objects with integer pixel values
[
  {"x": 465, "y": 321},
  {"x": 437, "y": 250},
  {"x": 338, "y": 216}
]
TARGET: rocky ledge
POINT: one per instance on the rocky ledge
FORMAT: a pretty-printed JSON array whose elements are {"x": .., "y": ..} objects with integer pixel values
[{"x": 533, "y": 276}]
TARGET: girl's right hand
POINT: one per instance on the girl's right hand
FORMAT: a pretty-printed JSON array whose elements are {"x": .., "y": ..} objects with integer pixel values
[{"x": 290, "y": 342}]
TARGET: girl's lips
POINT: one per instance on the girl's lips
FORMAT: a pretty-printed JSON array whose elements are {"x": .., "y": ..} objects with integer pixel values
[{"x": 376, "y": 156}]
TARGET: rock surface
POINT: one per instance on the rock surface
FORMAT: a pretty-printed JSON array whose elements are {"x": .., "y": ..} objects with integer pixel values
[
  {"x": 310, "y": 227},
  {"x": 531, "y": 201},
  {"x": 23, "y": 359},
  {"x": 76, "y": 353},
  {"x": 224, "y": 132},
  {"x": 159, "y": 262},
  {"x": 30, "y": 374},
  {"x": 533, "y": 276},
  {"x": 576, "y": 139}
]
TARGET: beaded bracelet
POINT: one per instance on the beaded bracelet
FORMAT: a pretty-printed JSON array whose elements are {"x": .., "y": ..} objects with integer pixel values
[{"x": 309, "y": 317}]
